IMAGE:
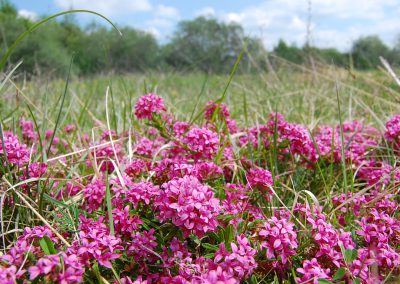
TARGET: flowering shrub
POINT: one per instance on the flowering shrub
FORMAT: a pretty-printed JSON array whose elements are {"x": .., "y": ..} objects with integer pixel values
[{"x": 201, "y": 202}]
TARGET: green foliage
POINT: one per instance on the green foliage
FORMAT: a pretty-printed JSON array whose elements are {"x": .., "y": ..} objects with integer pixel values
[
  {"x": 7, "y": 8},
  {"x": 366, "y": 52},
  {"x": 210, "y": 46},
  {"x": 291, "y": 53},
  {"x": 299, "y": 55},
  {"x": 47, "y": 245}
]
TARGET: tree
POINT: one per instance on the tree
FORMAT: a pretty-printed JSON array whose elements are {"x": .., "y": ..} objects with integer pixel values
[
  {"x": 208, "y": 45},
  {"x": 290, "y": 53},
  {"x": 366, "y": 52},
  {"x": 134, "y": 51},
  {"x": 7, "y": 8}
]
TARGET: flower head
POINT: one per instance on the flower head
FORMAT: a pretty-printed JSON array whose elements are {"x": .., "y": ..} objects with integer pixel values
[
  {"x": 279, "y": 238},
  {"x": 149, "y": 104},
  {"x": 190, "y": 204}
]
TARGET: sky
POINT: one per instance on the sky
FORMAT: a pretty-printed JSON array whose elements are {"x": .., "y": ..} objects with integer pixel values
[{"x": 332, "y": 23}]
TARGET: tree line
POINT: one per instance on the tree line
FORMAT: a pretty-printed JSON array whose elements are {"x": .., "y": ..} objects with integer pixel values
[{"x": 202, "y": 44}]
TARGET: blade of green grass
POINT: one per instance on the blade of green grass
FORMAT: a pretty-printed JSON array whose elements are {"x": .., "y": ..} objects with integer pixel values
[
  {"x": 61, "y": 107},
  {"x": 109, "y": 206}
]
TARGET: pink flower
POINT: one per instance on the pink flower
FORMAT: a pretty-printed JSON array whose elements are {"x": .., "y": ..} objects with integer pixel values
[
  {"x": 95, "y": 243},
  {"x": 143, "y": 246},
  {"x": 149, "y": 104},
  {"x": 312, "y": 271},
  {"x": 135, "y": 168},
  {"x": 240, "y": 263},
  {"x": 143, "y": 191},
  {"x": 393, "y": 129},
  {"x": 218, "y": 275},
  {"x": 279, "y": 238},
  {"x": 94, "y": 194},
  {"x": 44, "y": 266},
  {"x": 190, "y": 205},
  {"x": 28, "y": 130},
  {"x": 211, "y": 107},
  {"x": 328, "y": 238},
  {"x": 65, "y": 271},
  {"x": 37, "y": 170},
  {"x": 259, "y": 179},
  {"x": 17, "y": 153},
  {"x": 69, "y": 128},
  {"x": 180, "y": 128},
  {"x": 8, "y": 275},
  {"x": 202, "y": 141},
  {"x": 175, "y": 252},
  {"x": 145, "y": 147},
  {"x": 124, "y": 223}
]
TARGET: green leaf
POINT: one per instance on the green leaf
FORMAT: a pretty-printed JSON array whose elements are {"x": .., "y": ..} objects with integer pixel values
[
  {"x": 210, "y": 246},
  {"x": 195, "y": 239},
  {"x": 109, "y": 207},
  {"x": 339, "y": 273},
  {"x": 350, "y": 255},
  {"x": 209, "y": 255},
  {"x": 357, "y": 280},
  {"x": 229, "y": 234},
  {"x": 47, "y": 245},
  {"x": 324, "y": 281},
  {"x": 253, "y": 279}
]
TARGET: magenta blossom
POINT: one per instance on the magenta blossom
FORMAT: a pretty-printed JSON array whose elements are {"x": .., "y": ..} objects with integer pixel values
[
  {"x": 149, "y": 104},
  {"x": 190, "y": 205},
  {"x": 17, "y": 153},
  {"x": 279, "y": 238},
  {"x": 202, "y": 141},
  {"x": 94, "y": 194},
  {"x": 312, "y": 271}
]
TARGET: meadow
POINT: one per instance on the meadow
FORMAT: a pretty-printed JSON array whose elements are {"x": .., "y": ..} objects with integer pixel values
[{"x": 285, "y": 176}]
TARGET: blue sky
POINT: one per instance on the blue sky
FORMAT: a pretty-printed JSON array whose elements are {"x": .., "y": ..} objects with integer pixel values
[{"x": 334, "y": 23}]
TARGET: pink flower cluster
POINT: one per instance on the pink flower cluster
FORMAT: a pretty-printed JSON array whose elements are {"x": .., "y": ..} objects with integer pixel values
[
  {"x": 95, "y": 243},
  {"x": 94, "y": 194},
  {"x": 279, "y": 238},
  {"x": 240, "y": 262},
  {"x": 36, "y": 170},
  {"x": 14, "y": 152},
  {"x": 212, "y": 106},
  {"x": 392, "y": 133},
  {"x": 259, "y": 179},
  {"x": 8, "y": 275},
  {"x": 60, "y": 268},
  {"x": 149, "y": 104},
  {"x": 312, "y": 272},
  {"x": 190, "y": 205},
  {"x": 203, "y": 142}
]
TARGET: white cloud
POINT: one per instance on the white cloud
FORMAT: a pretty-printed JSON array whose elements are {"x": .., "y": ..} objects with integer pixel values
[
  {"x": 164, "y": 17},
  {"x": 333, "y": 22},
  {"x": 167, "y": 12},
  {"x": 361, "y": 9},
  {"x": 107, "y": 7},
  {"x": 162, "y": 22},
  {"x": 28, "y": 15},
  {"x": 205, "y": 12}
]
